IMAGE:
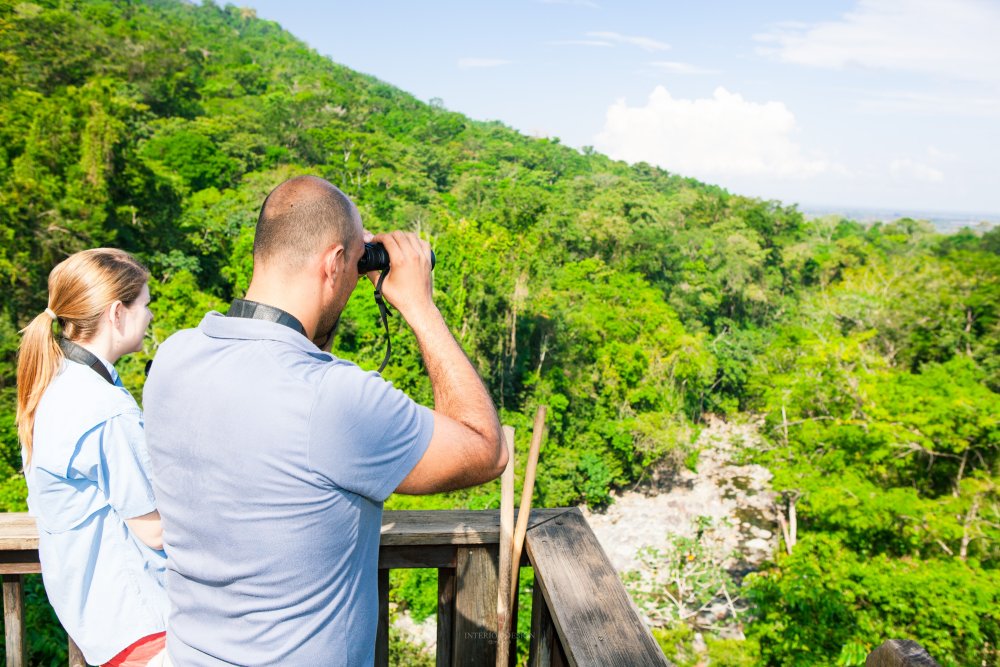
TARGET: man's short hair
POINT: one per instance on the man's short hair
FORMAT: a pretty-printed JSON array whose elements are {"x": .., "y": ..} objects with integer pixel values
[{"x": 301, "y": 216}]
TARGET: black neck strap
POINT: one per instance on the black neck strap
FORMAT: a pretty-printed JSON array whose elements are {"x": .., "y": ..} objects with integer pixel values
[
  {"x": 384, "y": 312},
  {"x": 259, "y": 311},
  {"x": 252, "y": 310},
  {"x": 81, "y": 355}
]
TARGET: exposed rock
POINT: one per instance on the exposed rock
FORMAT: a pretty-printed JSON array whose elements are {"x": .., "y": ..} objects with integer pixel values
[{"x": 737, "y": 498}]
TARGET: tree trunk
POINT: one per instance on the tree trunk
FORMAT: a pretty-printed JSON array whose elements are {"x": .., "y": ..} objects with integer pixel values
[
  {"x": 783, "y": 523},
  {"x": 784, "y": 423},
  {"x": 967, "y": 537},
  {"x": 961, "y": 471},
  {"x": 793, "y": 522},
  {"x": 790, "y": 525}
]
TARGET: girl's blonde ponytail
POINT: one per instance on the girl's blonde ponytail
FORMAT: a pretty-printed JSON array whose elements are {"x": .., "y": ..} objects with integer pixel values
[{"x": 81, "y": 287}]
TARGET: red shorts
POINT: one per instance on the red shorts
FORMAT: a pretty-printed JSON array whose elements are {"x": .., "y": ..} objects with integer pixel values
[{"x": 139, "y": 653}]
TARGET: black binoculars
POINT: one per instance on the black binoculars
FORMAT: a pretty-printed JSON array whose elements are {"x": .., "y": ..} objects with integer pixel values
[{"x": 376, "y": 258}]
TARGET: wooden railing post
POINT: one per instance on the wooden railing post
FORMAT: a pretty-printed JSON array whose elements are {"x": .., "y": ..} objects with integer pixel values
[
  {"x": 76, "y": 658},
  {"x": 512, "y": 635},
  {"x": 445, "y": 616},
  {"x": 475, "y": 641},
  {"x": 542, "y": 631},
  {"x": 13, "y": 619},
  {"x": 595, "y": 620},
  {"x": 382, "y": 634}
]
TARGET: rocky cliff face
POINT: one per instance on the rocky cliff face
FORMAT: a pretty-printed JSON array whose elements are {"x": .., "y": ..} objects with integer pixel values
[
  {"x": 735, "y": 496},
  {"x": 725, "y": 504}
]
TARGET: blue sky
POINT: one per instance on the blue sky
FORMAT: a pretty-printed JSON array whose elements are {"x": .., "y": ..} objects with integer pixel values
[{"x": 864, "y": 103}]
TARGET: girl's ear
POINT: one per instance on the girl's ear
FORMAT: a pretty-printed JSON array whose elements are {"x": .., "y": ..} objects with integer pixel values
[{"x": 115, "y": 314}]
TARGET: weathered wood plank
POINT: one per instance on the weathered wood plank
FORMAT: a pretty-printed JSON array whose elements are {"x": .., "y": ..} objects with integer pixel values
[
  {"x": 20, "y": 561},
  {"x": 900, "y": 653},
  {"x": 17, "y": 531},
  {"x": 434, "y": 556},
  {"x": 76, "y": 658},
  {"x": 13, "y": 619},
  {"x": 382, "y": 633},
  {"x": 474, "y": 642},
  {"x": 445, "y": 616},
  {"x": 559, "y": 658},
  {"x": 407, "y": 527},
  {"x": 505, "y": 579},
  {"x": 542, "y": 631},
  {"x": 399, "y": 527},
  {"x": 512, "y": 634},
  {"x": 595, "y": 620}
]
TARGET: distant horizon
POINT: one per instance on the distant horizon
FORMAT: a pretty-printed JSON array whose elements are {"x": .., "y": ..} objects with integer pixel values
[
  {"x": 901, "y": 211},
  {"x": 945, "y": 222}
]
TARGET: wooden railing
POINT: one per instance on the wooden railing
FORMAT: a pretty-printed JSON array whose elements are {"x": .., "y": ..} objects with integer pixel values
[{"x": 580, "y": 612}]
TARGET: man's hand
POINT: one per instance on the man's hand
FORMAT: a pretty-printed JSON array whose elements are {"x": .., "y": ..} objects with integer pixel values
[
  {"x": 466, "y": 447},
  {"x": 409, "y": 286}
]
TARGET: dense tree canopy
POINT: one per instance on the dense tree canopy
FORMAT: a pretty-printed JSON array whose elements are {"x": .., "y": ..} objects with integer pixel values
[{"x": 629, "y": 300}]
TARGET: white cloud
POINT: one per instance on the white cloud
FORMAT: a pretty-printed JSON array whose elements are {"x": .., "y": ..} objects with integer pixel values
[
  {"x": 680, "y": 68},
  {"x": 473, "y": 63},
  {"x": 906, "y": 170},
  {"x": 957, "y": 38},
  {"x": 644, "y": 43},
  {"x": 724, "y": 136}
]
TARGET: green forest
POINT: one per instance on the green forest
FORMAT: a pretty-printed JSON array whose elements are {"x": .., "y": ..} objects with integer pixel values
[{"x": 632, "y": 302}]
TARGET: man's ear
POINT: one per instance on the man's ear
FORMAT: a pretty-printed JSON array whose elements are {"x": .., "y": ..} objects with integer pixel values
[{"x": 333, "y": 263}]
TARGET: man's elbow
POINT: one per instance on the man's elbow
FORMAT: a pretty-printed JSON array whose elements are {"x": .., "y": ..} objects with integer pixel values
[
  {"x": 502, "y": 458},
  {"x": 497, "y": 462}
]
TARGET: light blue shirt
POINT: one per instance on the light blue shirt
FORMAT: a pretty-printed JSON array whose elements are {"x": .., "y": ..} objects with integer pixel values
[
  {"x": 90, "y": 472},
  {"x": 272, "y": 461}
]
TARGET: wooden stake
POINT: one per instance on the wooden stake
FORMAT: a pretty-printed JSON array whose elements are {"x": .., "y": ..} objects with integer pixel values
[
  {"x": 527, "y": 491},
  {"x": 506, "y": 540}
]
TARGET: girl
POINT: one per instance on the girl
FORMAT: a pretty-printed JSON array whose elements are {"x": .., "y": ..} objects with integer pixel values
[{"x": 85, "y": 459}]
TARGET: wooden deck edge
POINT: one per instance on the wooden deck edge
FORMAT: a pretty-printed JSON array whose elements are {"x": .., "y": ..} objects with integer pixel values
[{"x": 595, "y": 619}]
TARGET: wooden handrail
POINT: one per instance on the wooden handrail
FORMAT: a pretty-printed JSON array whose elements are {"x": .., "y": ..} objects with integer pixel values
[
  {"x": 586, "y": 599},
  {"x": 463, "y": 546},
  {"x": 581, "y": 613}
]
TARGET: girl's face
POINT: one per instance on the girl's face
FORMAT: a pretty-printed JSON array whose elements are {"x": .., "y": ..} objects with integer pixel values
[{"x": 134, "y": 321}]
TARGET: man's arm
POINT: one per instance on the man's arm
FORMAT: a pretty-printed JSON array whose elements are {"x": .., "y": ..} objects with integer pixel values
[{"x": 467, "y": 447}]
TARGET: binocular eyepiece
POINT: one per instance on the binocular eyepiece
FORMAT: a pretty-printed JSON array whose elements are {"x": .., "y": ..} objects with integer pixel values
[{"x": 376, "y": 258}]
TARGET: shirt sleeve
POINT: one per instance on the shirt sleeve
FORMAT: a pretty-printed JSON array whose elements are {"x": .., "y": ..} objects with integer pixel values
[
  {"x": 366, "y": 435},
  {"x": 125, "y": 468}
]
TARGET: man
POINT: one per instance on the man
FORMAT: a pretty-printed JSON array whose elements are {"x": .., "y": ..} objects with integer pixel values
[{"x": 272, "y": 457}]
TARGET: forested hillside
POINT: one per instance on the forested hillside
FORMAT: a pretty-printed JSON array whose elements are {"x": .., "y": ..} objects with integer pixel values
[{"x": 629, "y": 300}]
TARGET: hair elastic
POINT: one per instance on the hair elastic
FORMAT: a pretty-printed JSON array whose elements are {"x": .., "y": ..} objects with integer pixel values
[{"x": 50, "y": 313}]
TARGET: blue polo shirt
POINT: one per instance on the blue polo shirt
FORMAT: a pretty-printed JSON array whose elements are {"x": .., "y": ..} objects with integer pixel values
[
  {"x": 272, "y": 460},
  {"x": 90, "y": 472}
]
